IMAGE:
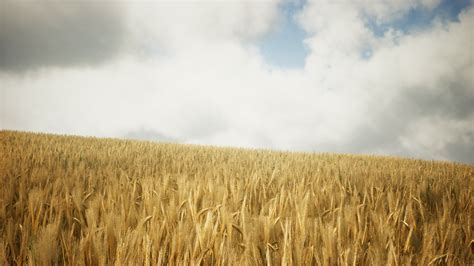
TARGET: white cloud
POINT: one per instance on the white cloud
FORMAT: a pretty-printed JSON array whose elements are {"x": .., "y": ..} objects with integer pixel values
[
  {"x": 408, "y": 80},
  {"x": 171, "y": 26}
]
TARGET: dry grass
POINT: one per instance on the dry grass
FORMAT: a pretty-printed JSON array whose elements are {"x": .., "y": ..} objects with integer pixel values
[{"x": 73, "y": 200}]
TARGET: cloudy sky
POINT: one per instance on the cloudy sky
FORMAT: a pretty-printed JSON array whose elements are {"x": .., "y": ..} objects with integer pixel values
[{"x": 392, "y": 77}]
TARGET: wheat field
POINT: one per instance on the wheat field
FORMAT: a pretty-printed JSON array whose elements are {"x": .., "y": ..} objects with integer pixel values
[{"x": 75, "y": 200}]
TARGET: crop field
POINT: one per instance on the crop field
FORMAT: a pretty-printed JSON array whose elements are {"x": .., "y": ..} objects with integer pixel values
[{"x": 75, "y": 200}]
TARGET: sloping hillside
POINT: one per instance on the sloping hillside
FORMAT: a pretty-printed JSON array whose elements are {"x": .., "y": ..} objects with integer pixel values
[{"x": 75, "y": 200}]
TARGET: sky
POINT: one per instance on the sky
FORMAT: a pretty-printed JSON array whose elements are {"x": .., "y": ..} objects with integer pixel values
[{"x": 386, "y": 77}]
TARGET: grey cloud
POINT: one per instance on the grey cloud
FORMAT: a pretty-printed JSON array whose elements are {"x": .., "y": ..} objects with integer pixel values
[
  {"x": 384, "y": 129},
  {"x": 36, "y": 34},
  {"x": 453, "y": 100},
  {"x": 387, "y": 124},
  {"x": 205, "y": 123},
  {"x": 461, "y": 151},
  {"x": 403, "y": 115},
  {"x": 148, "y": 134}
]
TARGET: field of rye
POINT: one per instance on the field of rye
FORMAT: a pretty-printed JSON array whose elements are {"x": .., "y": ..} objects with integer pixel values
[{"x": 75, "y": 200}]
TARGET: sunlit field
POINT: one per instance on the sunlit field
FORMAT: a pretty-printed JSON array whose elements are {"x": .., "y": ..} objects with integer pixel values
[{"x": 76, "y": 200}]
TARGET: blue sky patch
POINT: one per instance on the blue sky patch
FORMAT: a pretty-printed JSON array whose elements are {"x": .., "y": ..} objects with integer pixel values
[
  {"x": 421, "y": 18},
  {"x": 284, "y": 46}
]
